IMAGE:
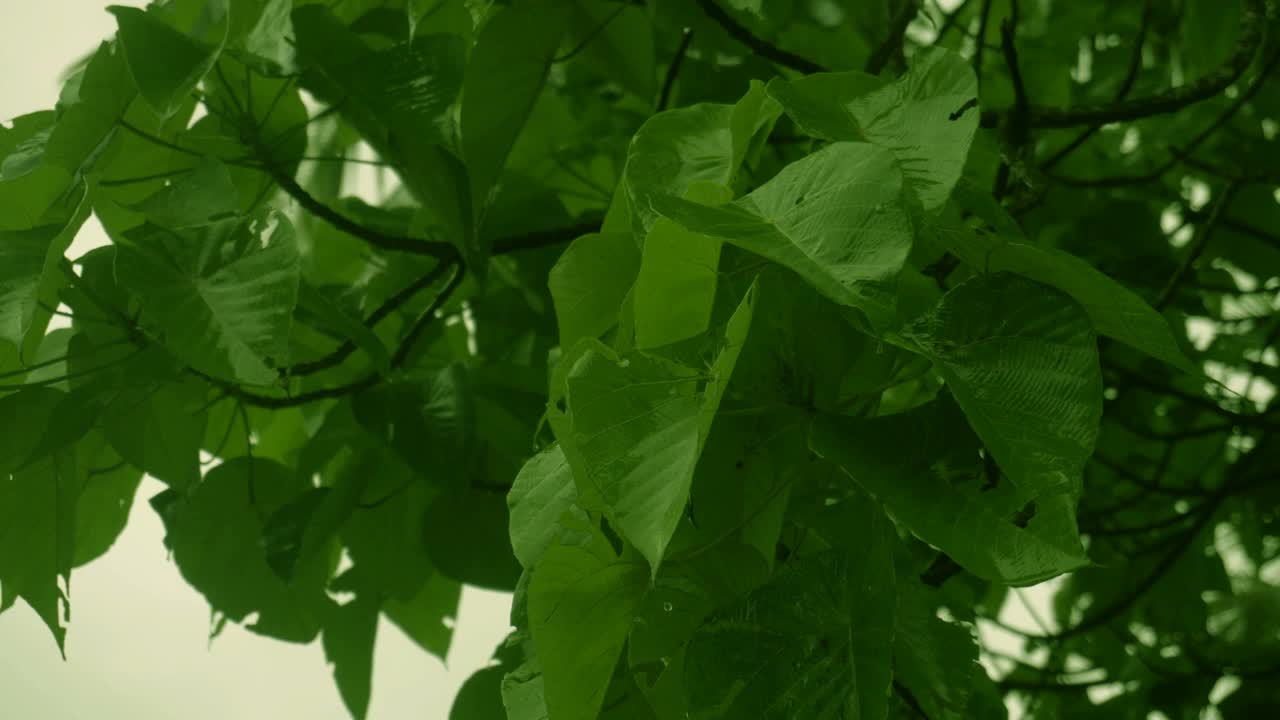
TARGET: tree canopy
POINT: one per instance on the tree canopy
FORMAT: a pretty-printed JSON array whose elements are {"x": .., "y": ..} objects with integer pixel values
[{"x": 764, "y": 349}]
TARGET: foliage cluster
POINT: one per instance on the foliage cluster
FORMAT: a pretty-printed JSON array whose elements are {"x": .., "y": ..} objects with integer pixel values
[{"x": 762, "y": 348}]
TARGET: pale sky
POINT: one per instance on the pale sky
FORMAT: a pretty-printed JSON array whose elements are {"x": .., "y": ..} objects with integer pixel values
[{"x": 137, "y": 645}]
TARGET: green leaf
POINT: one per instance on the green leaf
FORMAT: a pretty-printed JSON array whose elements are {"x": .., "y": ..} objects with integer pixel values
[
  {"x": 675, "y": 289},
  {"x": 384, "y": 533},
  {"x": 102, "y": 510},
  {"x": 914, "y": 118},
  {"x": 935, "y": 659},
  {"x": 428, "y": 617},
  {"x": 1022, "y": 361},
  {"x": 705, "y": 143},
  {"x": 632, "y": 427},
  {"x": 216, "y": 536},
  {"x": 540, "y": 495},
  {"x": 349, "y": 632},
  {"x": 504, "y": 78},
  {"x": 167, "y": 63},
  {"x": 37, "y": 537},
  {"x": 925, "y": 466},
  {"x": 466, "y": 537},
  {"x": 159, "y": 428},
  {"x": 201, "y": 197},
  {"x": 223, "y": 296},
  {"x": 835, "y": 218},
  {"x": 29, "y": 262},
  {"x": 589, "y": 283},
  {"x": 1115, "y": 310},
  {"x": 92, "y": 103},
  {"x": 815, "y": 642},
  {"x": 581, "y": 600}
]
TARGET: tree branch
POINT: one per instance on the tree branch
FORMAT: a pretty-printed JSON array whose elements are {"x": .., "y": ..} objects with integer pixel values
[
  {"x": 892, "y": 44},
  {"x": 1252, "y": 23},
  {"x": 673, "y": 70},
  {"x": 760, "y": 47}
]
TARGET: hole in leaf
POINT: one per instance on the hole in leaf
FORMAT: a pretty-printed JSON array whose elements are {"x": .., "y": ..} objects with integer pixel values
[{"x": 1023, "y": 516}]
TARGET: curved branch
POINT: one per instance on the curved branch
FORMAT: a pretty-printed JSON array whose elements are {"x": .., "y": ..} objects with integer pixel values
[
  {"x": 1173, "y": 99},
  {"x": 760, "y": 47}
]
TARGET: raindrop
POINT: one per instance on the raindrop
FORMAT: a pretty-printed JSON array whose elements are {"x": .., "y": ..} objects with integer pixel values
[{"x": 667, "y": 607}]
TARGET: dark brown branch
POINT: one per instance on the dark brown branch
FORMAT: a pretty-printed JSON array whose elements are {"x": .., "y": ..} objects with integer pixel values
[
  {"x": 760, "y": 47},
  {"x": 1173, "y": 99},
  {"x": 1126, "y": 86},
  {"x": 980, "y": 43},
  {"x": 370, "y": 380},
  {"x": 949, "y": 21},
  {"x": 393, "y": 303},
  {"x": 1198, "y": 243},
  {"x": 673, "y": 70},
  {"x": 892, "y": 45}
]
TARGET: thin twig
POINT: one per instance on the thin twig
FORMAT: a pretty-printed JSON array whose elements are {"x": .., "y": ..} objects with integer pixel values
[
  {"x": 765, "y": 50},
  {"x": 673, "y": 70}
]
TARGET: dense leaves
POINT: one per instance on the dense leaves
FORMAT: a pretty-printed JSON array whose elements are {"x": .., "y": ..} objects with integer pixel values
[{"x": 764, "y": 350}]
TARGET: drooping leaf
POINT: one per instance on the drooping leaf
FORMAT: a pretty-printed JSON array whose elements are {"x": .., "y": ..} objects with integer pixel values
[
  {"x": 504, "y": 77},
  {"x": 809, "y": 641},
  {"x": 222, "y": 296},
  {"x": 675, "y": 289},
  {"x": 589, "y": 283},
  {"x": 541, "y": 493},
  {"x": 1022, "y": 361},
  {"x": 428, "y": 617},
  {"x": 102, "y": 510},
  {"x": 466, "y": 537},
  {"x": 581, "y": 600},
  {"x": 29, "y": 262},
  {"x": 37, "y": 512},
  {"x": 632, "y": 427},
  {"x": 835, "y": 218},
  {"x": 146, "y": 37},
  {"x": 216, "y": 536},
  {"x": 158, "y": 429},
  {"x": 918, "y": 118},
  {"x": 936, "y": 660},
  {"x": 925, "y": 466},
  {"x": 349, "y": 632},
  {"x": 704, "y": 143},
  {"x": 1115, "y": 310}
]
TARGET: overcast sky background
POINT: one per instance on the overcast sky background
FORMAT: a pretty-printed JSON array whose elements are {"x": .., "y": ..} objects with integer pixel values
[{"x": 138, "y": 642}]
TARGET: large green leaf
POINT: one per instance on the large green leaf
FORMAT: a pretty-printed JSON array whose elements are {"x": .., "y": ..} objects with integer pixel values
[
  {"x": 815, "y": 642},
  {"x": 632, "y": 427},
  {"x": 159, "y": 428},
  {"x": 1116, "y": 311},
  {"x": 936, "y": 660},
  {"x": 836, "y": 218},
  {"x": 168, "y": 63},
  {"x": 349, "y": 633},
  {"x": 504, "y": 77},
  {"x": 222, "y": 297},
  {"x": 28, "y": 185},
  {"x": 541, "y": 493},
  {"x": 1022, "y": 361},
  {"x": 581, "y": 600},
  {"x": 216, "y": 537},
  {"x": 675, "y": 290},
  {"x": 925, "y": 466},
  {"x": 589, "y": 283},
  {"x": 29, "y": 262},
  {"x": 102, "y": 510},
  {"x": 916, "y": 118},
  {"x": 705, "y": 143},
  {"x": 37, "y": 509}
]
